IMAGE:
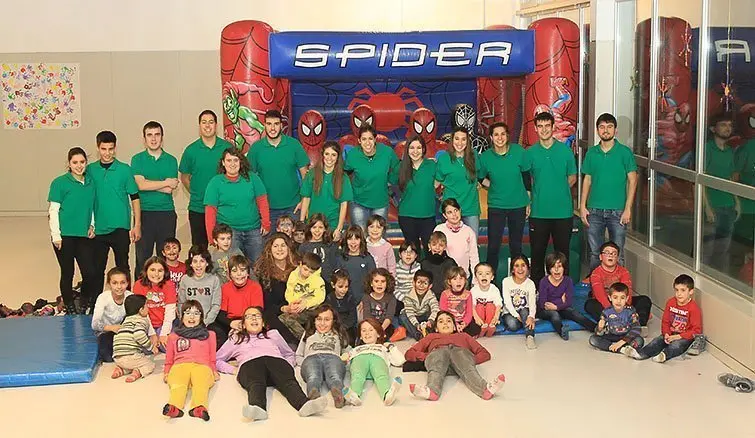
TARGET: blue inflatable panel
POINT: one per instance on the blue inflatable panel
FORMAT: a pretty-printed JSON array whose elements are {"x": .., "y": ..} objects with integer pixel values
[
  {"x": 47, "y": 351},
  {"x": 580, "y": 297}
]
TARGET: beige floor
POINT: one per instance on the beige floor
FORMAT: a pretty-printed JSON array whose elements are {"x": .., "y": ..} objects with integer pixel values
[{"x": 562, "y": 389}]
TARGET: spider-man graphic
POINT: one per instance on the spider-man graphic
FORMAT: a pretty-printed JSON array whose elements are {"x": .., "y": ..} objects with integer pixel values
[
  {"x": 362, "y": 115},
  {"x": 312, "y": 131},
  {"x": 466, "y": 117},
  {"x": 424, "y": 124}
]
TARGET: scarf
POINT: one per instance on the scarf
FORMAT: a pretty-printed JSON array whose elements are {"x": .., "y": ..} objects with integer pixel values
[
  {"x": 199, "y": 332},
  {"x": 454, "y": 228}
]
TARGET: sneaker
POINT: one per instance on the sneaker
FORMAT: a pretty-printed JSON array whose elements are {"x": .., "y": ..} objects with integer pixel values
[
  {"x": 338, "y": 399},
  {"x": 494, "y": 387},
  {"x": 351, "y": 397},
  {"x": 530, "y": 343},
  {"x": 698, "y": 345},
  {"x": 172, "y": 411},
  {"x": 423, "y": 392},
  {"x": 644, "y": 331},
  {"x": 200, "y": 412},
  {"x": 254, "y": 413},
  {"x": 740, "y": 384},
  {"x": 564, "y": 333},
  {"x": 630, "y": 351},
  {"x": 398, "y": 334},
  {"x": 660, "y": 357},
  {"x": 390, "y": 396},
  {"x": 313, "y": 407}
]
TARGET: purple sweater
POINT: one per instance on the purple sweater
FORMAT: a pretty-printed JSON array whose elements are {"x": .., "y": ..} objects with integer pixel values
[
  {"x": 273, "y": 346},
  {"x": 550, "y": 293}
]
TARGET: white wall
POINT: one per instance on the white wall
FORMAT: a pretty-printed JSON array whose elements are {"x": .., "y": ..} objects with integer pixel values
[{"x": 179, "y": 25}]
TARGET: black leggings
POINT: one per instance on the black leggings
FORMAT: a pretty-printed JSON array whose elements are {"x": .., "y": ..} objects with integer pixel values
[
  {"x": 497, "y": 219},
  {"x": 417, "y": 230},
  {"x": 120, "y": 241},
  {"x": 257, "y": 374},
  {"x": 541, "y": 231},
  {"x": 81, "y": 250},
  {"x": 198, "y": 229}
]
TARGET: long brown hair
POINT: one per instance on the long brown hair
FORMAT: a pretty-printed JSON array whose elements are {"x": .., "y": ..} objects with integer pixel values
[
  {"x": 354, "y": 231},
  {"x": 327, "y": 236},
  {"x": 265, "y": 268},
  {"x": 319, "y": 171},
  {"x": 243, "y": 335},
  {"x": 406, "y": 170},
  {"x": 376, "y": 325},
  {"x": 390, "y": 282},
  {"x": 244, "y": 166},
  {"x": 337, "y": 327},
  {"x": 144, "y": 280},
  {"x": 469, "y": 158}
]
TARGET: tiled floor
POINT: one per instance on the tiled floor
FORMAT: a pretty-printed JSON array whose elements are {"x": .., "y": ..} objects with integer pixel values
[{"x": 561, "y": 389}]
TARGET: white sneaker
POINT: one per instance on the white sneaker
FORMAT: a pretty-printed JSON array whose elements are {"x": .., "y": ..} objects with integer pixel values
[
  {"x": 530, "y": 343},
  {"x": 660, "y": 357},
  {"x": 630, "y": 351}
]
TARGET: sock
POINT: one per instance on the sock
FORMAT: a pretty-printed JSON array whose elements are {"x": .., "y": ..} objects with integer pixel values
[
  {"x": 423, "y": 392},
  {"x": 172, "y": 411},
  {"x": 200, "y": 412},
  {"x": 351, "y": 397},
  {"x": 254, "y": 413},
  {"x": 494, "y": 387},
  {"x": 313, "y": 407}
]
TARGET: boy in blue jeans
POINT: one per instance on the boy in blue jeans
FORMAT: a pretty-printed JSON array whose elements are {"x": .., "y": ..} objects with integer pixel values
[{"x": 619, "y": 325}]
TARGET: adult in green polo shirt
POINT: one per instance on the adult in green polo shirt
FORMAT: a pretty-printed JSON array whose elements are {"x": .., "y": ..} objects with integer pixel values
[
  {"x": 327, "y": 190},
  {"x": 372, "y": 167},
  {"x": 156, "y": 174},
  {"x": 554, "y": 171},
  {"x": 71, "y": 201},
  {"x": 416, "y": 181},
  {"x": 506, "y": 172},
  {"x": 236, "y": 197},
  {"x": 199, "y": 163},
  {"x": 457, "y": 171},
  {"x": 722, "y": 209},
  {"x": 744, "y": 228},
  {"x": 116, "y": 194},
  {"x": 608, "y": 190},
  {"x": 281, "y": 163}
]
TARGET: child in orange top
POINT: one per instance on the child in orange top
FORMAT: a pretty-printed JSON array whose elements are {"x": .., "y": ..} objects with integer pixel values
[
  {"x": 237, "y": 295},
  {"x": 155, "y": 284},
  {"x": 190, "y": 362},
  {"x": 682, "y": 321},
  {"x": 457, "y": 300}
]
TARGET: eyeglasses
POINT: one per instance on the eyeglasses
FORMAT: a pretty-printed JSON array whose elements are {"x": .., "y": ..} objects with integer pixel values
[
  {"x": 192, "y": 313},
  {"x": 253, "y": 317}
]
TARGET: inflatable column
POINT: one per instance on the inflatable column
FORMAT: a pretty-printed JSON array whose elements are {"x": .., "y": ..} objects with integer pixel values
[
  {"x": 553, "y": 85},
  {"x": 248, "y": 89}
]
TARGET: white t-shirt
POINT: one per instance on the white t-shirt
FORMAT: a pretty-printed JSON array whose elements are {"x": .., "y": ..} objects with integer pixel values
[
  {"x": 492, "y": 295},
  {"x": 518, "y": 296}
]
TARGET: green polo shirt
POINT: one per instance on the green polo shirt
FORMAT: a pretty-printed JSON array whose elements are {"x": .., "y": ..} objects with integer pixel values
[
  {"x": 76, "y": 201},
  {"x": 236, "y": 201},
  {"x": 456, "y": 183},
  {"x": 744, "y": 163},
  {"x": 278, "y": 167},
  {"x": 112, "y": 187},
  {"x": 551, "y": 168},
  {"x": 201, "y": 163},
  {"x": 418, "y": 199},
  {"x": 506, "y": 189},
  {"x": 608, "y": 173},
  {"x": 719, "y": 163},
  {"x": 325, "y": 202},
  {"x": 164, "y": 167},
  {"x": 371, "y": 175}
]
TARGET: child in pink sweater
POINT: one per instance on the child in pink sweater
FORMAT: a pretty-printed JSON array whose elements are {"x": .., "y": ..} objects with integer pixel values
[
  {"x": 190, "y": 363},
  {"x": 457, "y": 300},
  {"x": 380, "y": 249},
  {"x": 462, "y": 241}
]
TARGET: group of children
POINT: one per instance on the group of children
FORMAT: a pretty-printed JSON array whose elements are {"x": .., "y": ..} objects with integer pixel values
[{"x": 348, "y": 303}]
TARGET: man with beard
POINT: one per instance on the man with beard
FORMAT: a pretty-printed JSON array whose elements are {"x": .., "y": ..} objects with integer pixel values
[
  {"x": 608, "y": 190},
  {"x": 721, "y": 209},
  {"x": 199, "y": 163},
  {"x": 277, "y": 158}
]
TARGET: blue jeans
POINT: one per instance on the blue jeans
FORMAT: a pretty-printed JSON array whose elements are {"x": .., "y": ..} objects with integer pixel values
[
  {"x": 275, "y": 213},
  {"x": 512, "y": 324},
  {"x": 472, "y": 222},
  {"x": 672, "y": 350},
  {"x": 603, "y": 342},
  {"x": 249, "y": 242},
  {"x": 411, "y": 330},
  {"x": 323, "y": 367},
  {"x": 360, "y": 214},
  {"x": 600, "y": 220},
  {"x": 717, "y": 238}
]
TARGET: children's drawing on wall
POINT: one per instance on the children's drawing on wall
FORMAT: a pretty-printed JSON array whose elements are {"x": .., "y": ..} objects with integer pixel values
[{"x": 40, "y": 96}]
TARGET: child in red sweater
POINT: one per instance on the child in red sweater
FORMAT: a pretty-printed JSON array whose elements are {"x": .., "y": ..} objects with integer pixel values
[
  {"x": 155, "y": 284},
  {"x": 457, "y": 300},
  {"x": 607, "y": 273},
  {"x": 451, "y": 349},
  {"x": 190, "y": 362},
  {"x": 682, "y": 320},
  {"x": 237, "y": 295}
]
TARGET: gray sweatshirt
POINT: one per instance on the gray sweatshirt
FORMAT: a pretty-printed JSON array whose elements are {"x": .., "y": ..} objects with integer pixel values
[
  {"x": 206, "y": 290},
  {"x": 220, "y": 262},
  {"x": 318, "y": 343}
]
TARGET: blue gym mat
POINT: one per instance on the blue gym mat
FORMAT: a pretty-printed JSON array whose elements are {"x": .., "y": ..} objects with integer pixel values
[
  {"x": 47, "y": 351},
  {"x": 580, "y": 297}
]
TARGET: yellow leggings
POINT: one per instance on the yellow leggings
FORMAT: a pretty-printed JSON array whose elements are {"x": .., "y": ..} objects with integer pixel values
[{"x": 184, "y": 375}]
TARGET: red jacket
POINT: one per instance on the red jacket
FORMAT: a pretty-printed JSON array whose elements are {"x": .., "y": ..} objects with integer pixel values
[
  {"x": 421, "y": 349},
  {"x": 686, "y": 320},
  {"x": 601, "y": 280},
  {"x": 235, "y": 300}
]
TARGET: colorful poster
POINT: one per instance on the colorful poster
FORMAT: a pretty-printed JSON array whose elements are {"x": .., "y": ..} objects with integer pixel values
[{"x": 40, "y": 96}]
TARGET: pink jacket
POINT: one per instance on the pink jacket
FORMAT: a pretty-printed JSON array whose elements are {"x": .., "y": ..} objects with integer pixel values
[
  {"x": 383, "y": 254},
  {"x": 462, "y": 246}
]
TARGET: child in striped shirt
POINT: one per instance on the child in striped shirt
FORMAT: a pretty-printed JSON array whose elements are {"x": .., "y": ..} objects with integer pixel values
[
  {"x": 131, "y": 341},
  {"x": 405, "y": 269}
]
